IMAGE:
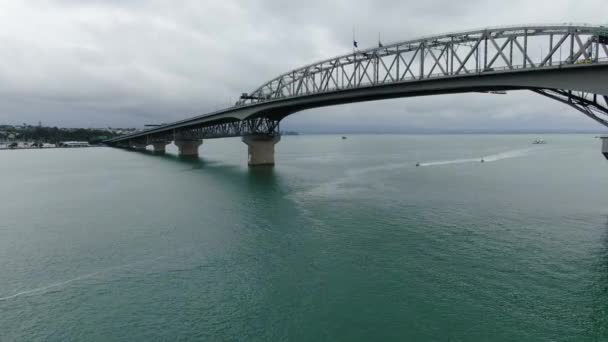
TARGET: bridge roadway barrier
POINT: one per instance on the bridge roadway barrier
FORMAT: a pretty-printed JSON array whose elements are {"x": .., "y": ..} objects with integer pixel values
[{"x": 605, "y": 146}]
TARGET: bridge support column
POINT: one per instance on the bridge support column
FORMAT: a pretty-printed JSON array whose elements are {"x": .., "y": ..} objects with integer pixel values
[
  {"x": 188, "y": 148},
  {"x": 605, "y": 146},
  {"x": 260, "y": 149},
  {"x": 160, "y": 147}
]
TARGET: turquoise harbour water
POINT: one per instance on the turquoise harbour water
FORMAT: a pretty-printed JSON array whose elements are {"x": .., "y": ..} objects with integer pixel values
[{"x": 344, "y": 240}]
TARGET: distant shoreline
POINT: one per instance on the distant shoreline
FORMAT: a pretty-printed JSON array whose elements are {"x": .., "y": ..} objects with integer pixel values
[
  {"x": 46, "y": 148},
  {"x": 448, "y": 133}
]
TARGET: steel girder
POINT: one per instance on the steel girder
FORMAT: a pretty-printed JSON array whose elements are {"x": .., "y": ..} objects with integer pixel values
[
  {"x": 255, "y": 126},
  {"x": 593, "y": 105},
  {"x": 470, "y": 52}
]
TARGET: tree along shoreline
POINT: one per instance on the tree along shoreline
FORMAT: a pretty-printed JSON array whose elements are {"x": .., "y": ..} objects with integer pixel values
[{"x": 55, "y": 135}]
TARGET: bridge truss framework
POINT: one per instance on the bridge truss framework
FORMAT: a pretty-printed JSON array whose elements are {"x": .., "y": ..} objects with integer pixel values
[
  {"x": 454, "y": 55},
  {"x": 464, "y": 53},
  {"x": 261, "y": 126}
]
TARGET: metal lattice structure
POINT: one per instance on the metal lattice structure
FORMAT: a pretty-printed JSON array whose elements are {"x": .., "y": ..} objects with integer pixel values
[
  {"x": 593, "y": 105},
  {"x": 446, "y": 55},
  {"x": 255, "y": 126},
  {"x": 567, "y": 63}
]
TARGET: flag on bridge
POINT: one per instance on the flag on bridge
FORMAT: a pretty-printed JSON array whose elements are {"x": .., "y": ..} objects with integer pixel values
[{"x": 355, "y": 43}]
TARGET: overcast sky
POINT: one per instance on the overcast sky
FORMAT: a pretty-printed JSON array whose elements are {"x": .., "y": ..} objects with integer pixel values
[{"x": 123, "y": 63}]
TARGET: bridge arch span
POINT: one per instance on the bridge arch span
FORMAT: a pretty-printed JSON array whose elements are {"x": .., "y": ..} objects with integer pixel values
[
  {"x": 567, "y": 63},
  {"x": 583, "y": 82}
]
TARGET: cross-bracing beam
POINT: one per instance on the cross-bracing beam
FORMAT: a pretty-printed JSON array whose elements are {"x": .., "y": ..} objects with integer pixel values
[
  {"x": 261, "y": 126},
  {"x": 593, "y": 105}
]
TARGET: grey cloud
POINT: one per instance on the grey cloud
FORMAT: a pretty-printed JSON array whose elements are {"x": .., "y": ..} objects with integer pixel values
[{"x": 126, "y": 63}]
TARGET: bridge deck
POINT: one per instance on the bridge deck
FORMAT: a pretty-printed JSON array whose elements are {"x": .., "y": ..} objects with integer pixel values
[{"x": 503, "y": 58}]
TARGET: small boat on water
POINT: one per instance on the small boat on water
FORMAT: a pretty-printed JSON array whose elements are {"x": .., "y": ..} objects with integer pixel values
[
  {"x": 483, "y": 161},
  {"x": 539, "y": 142},
  {"x": 343, "y": 138},
  {"x": 417, "y": 164}
]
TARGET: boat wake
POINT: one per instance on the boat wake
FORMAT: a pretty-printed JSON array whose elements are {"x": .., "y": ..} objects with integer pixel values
[
  {"x": 338, "y": 186},
  {"x": 448, "y": 162},
  {"x": 45, "y": 289},
  {"x": 490, "y": 158}
]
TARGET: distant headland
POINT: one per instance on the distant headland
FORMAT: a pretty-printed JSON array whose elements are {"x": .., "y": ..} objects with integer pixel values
[{"x": 39, "y": 136}]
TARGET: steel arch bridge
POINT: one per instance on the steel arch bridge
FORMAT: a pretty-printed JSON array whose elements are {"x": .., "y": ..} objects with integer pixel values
[{"x": 567, "y": 63}]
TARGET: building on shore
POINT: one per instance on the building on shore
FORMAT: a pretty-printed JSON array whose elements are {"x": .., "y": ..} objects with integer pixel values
[{"x": 74, "y": 144}]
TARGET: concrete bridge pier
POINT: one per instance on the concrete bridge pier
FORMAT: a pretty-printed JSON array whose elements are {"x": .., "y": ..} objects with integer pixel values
[
  {"x": 605, "y": 146},
  {"x": 260, "y": 149},
  {"x": 188, "y": 147},
  {"x": 160, "y": 147}
]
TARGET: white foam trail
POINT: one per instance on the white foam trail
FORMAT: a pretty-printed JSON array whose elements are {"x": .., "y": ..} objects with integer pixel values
[
  {"x": 448, "y": 162},
  {"x": 48, "y": 287},
  {"x": 44, "y": 289},
  {"x": 333, "y": 187},
  {"x": 491, "y": 158},
  {"x": 509, "y": 154},
  {"x": 385, "y": 167}
]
